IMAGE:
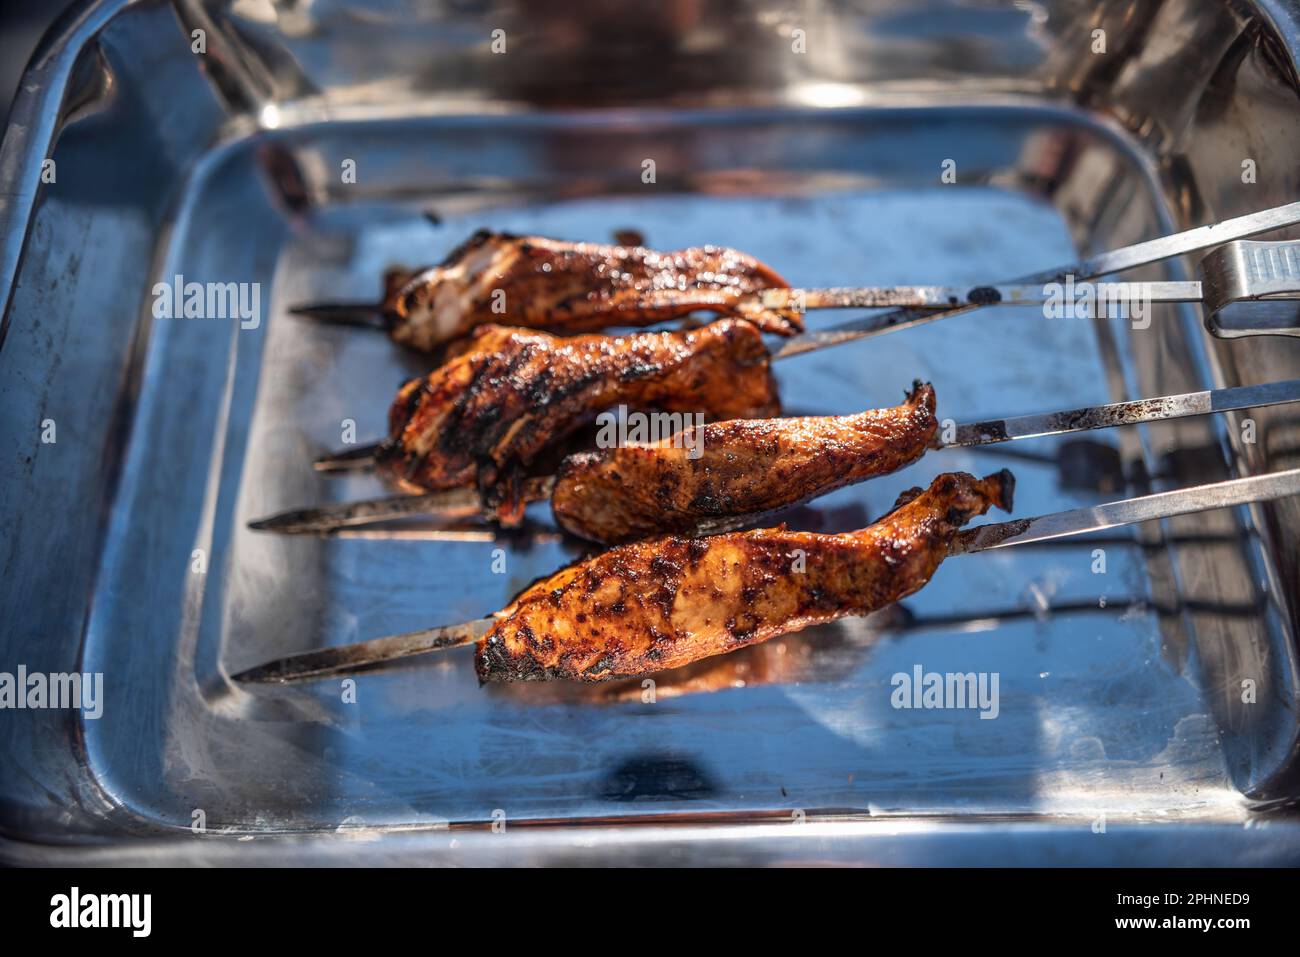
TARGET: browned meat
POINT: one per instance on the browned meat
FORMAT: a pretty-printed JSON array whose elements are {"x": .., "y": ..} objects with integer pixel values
[
  {"x": 665, "y": 602},
  {"x": 742, "y": 467},
  {"x": 484, "y": 416},
  {"x": 788, "y": 659},
  {"x": 537, "y": 283}
]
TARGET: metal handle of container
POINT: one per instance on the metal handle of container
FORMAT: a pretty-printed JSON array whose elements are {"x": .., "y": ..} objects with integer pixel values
[{"x": 1252, "y": 289}]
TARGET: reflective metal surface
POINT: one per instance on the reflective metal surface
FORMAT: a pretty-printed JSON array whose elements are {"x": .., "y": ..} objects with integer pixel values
[
  {"x": 123, "y": 547},
  {"x": 1144, "y": 508},
  {"x": 1268, "y": 273}
]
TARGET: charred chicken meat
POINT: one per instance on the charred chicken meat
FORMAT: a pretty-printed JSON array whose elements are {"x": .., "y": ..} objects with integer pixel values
[
  {"x": 736, "y": 468},
  {"x": 666, "y": 602},
  {"x": 481, "y": 418},
  {"x": 538, "y": 283}
]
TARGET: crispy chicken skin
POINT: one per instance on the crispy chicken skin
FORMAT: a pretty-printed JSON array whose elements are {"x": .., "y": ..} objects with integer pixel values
[
  {"x": 665, "y": 602},
  {"x": 742, "y": 467},
  {"x": 482, "y": 417},
  {"x": 572, "y": 287}
]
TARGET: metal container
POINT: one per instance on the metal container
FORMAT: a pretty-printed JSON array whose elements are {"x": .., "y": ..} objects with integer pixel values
[{"x": 1148, "y": 679}]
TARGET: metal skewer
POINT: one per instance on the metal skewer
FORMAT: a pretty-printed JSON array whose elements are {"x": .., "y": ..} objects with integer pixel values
[
  {"x": 1132, "y": 412},
  {"x": 370, "y": 315},
  {"x": 1239, "y": 276},
  {"x": 329, "y": 518},
  {"x": 935, "y": 302},
  {"x": 348, "y": 514},
  {"x": 1244, "y": 288},
  {"x": 1144, "y": 508},
  {"x": 1248, "y": 289},
  {"x": 361, "y": 457},
  {"x": 1259, "y": 488},
  {"x": 367, "y": 654},
  {"x": 949, "y": 297}
]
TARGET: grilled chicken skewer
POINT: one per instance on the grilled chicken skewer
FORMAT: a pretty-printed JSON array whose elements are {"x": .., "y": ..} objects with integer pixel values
[
  {"x": 665, "y": 602},
  {"x": 719, "y": 476},
  {"x": 481, "y": 418},
  {"x": 742, "y": 469},
  {"x": 567, "y": 287},
  {"x": 656, "y": 604},
  {"x": 576, "y": 287}
]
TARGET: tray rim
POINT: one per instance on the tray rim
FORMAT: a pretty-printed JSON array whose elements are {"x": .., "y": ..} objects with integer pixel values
[{"x": 41, "y": 97}]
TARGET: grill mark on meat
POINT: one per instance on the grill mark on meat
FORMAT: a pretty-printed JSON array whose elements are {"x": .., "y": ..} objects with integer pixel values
[
  {"x": 744, "y": 468},
  {"x": 481, "y": 418},
  {"x": 576, "y": 287},
  {"x": 614, "y": 617}
]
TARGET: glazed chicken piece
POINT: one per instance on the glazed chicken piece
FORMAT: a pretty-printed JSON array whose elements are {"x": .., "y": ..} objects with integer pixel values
[
  {"x": 666, "y": 602},
  {"x": 538, "y": 283},
  {"x": 729, "y": 470},
  {"x": 484, "y": 416},
  {"x": 788, "y": 659}
]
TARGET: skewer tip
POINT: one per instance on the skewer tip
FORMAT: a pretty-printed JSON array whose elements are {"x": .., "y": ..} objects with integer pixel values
[
  {"x": 370, "y": 315},
  {"x": 280, "y": 522},
  {"x": 270, "y": 673},
  {"x": 361, "y": 457},
  {"x": 364, "y": 655}
]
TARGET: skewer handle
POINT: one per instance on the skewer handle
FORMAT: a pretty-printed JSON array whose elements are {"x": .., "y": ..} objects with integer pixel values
[{"x": 1252, "y": 289}]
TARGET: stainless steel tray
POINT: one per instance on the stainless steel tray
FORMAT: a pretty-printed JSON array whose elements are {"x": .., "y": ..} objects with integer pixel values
[{"x": 1120, "y": 693}]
